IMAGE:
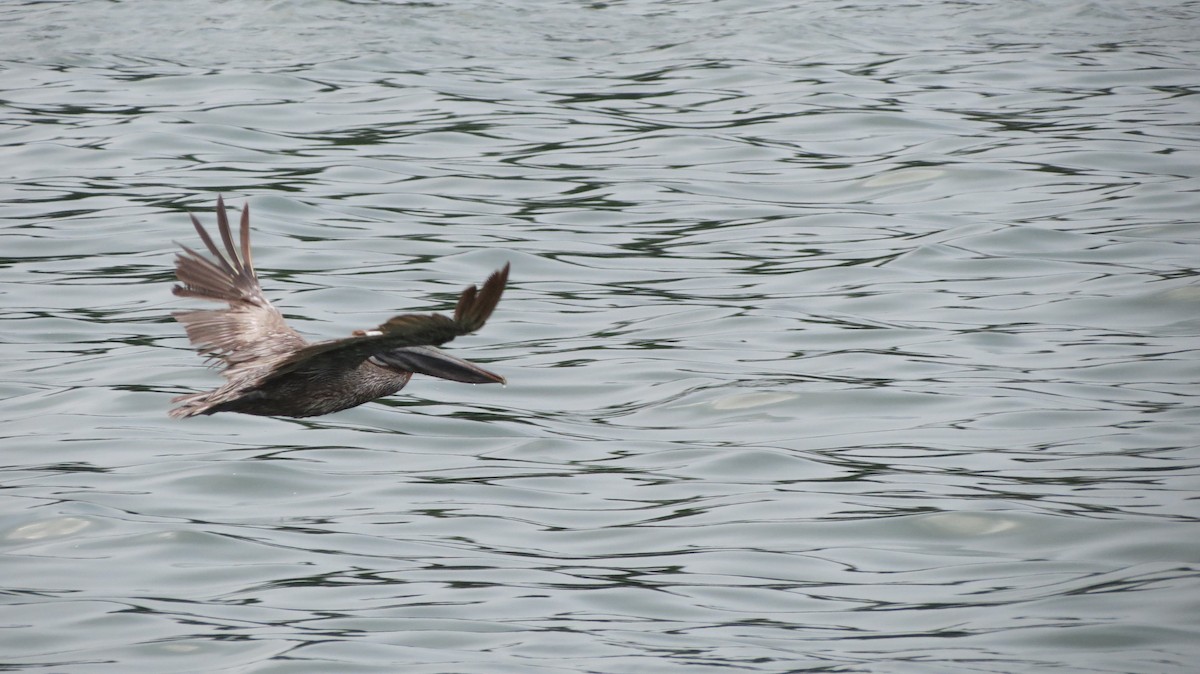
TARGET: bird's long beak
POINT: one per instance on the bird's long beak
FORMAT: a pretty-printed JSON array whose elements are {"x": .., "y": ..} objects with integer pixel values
[{"x": 435, "y": 363}]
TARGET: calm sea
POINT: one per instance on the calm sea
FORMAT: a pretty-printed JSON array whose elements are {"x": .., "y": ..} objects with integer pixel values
[{"x": 842, "y": 336}]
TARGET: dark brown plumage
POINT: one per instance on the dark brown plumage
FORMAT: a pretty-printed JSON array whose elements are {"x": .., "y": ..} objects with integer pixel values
[{"x": 271, "y": 370}]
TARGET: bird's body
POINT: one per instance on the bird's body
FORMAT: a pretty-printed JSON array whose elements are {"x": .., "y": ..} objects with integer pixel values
[
  {"x": 271, "y": 370},
  {"x": 304, "y": 392}
]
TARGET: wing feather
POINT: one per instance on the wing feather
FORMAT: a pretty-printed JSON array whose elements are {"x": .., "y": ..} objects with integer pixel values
[{"x": 250, "y": 328}]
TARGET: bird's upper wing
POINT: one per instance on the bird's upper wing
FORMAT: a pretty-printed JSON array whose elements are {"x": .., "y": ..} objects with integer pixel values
[{"x": 250, "y": 329}]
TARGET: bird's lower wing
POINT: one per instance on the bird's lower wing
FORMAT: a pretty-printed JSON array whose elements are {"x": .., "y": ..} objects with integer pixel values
[{"x": 474, "y": 307}]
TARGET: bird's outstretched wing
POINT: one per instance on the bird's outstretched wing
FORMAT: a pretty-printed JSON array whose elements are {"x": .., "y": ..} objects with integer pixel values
[
  {"x": 474, "y": 307},
  {"x": 250, "y": 329}
]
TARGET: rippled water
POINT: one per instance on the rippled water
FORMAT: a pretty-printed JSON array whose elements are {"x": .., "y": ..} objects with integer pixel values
[{"x": 842, "y": 337}]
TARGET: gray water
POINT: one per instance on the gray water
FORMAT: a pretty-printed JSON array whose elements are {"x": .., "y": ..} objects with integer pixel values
[{"x": 841, "y": 336}]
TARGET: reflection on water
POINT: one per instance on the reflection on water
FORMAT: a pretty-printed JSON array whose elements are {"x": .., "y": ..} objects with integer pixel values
[{"x": 839, "y": 337}]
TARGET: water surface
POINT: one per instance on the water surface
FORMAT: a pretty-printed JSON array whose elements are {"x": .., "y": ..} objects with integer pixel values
[{"x": 841, "y": 337}]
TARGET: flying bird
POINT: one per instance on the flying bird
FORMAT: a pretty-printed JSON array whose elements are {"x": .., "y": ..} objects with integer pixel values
[{"x": 271, "y": 370}]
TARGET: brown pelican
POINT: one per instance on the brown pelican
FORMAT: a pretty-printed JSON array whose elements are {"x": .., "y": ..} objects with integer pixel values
[{"x": 270, "y": 369}]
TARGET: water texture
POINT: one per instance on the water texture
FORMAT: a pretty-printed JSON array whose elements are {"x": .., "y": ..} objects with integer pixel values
[{"x": 841, "y": 336}]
